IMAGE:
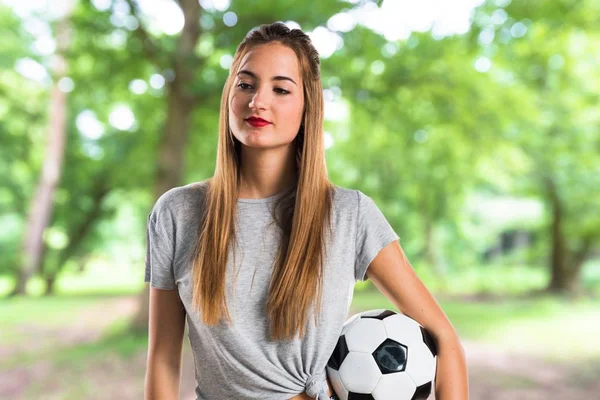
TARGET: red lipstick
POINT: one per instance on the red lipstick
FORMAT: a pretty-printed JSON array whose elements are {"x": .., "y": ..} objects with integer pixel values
[{"x": 257, "y": 122}]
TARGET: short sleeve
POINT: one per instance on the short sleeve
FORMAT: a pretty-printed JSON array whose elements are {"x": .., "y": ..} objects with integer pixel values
[
  {"x": 159, "y": 248},
  {"x": 373, "y": 233}
]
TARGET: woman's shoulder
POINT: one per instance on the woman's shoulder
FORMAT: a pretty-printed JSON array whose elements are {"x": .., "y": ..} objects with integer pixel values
[
  {"x": 181, "y": 198},
  {"x": 345, "y": 197}
]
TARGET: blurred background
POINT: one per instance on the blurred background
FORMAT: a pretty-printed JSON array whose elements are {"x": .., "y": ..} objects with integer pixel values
[{"x": 473, "y": 124}]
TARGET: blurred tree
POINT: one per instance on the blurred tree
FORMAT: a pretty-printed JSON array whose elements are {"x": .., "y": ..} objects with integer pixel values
[
  {"x": 420, "y": 124},
  {"x": 22, "y": 110},
  {"x": 507, "y": 107},
  {"x": 41, "y": 205},
  {"x": 546, "y": 54}
]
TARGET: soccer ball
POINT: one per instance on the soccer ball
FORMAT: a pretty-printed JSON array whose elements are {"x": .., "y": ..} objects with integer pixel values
[{"x": 383, "y": 355}]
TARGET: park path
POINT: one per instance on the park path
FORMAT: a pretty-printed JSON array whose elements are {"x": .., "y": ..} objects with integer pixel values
[{"x": 493, "y": 374}]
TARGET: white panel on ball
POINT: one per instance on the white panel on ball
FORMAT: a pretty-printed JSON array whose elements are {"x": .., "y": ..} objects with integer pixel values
[
  {"x": 420, "y": 364},
  {"x": 336, "y": 382},
  {"x": 396, "y": 386},
  {"x": 359, "y": 372},
  {"x": 403, "y": 329},
  {"x": 366, "y": 335},
  {"x": 348, "y": 324}
]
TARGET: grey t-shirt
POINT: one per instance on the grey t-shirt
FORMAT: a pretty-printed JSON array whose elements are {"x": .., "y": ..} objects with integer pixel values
[{"x": 238, "y": 361}]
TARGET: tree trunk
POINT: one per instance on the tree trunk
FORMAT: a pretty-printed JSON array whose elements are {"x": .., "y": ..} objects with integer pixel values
[
  {"x": 78, "y": 233},
  {"x": 564, "y": 278},
  {"x": 180, "y": 104},
  {"x": 576, "y": 260},
  {"x": 40, "y": 209},
  {"x": 50, "y": 281}
]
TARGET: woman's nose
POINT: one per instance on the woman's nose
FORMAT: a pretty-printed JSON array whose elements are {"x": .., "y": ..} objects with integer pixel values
[{"x": 259, "y": 100}]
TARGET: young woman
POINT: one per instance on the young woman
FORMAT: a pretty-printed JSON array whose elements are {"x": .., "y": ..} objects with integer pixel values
[{"x": 262, "y": 258}]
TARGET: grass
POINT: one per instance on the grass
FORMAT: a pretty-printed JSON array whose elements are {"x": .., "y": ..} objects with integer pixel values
[
  {"x": 98, "y": 279},
  {"x": 548, "y": 327},
  {"x": 553, "y": 328},
  {"x": 49, "y": 311},
  {"x": 543, "y": 326},
  {"x": 559, "y": 330},
  {"x": 511, "y": 280},
  {"x": 115, "y": 341}
]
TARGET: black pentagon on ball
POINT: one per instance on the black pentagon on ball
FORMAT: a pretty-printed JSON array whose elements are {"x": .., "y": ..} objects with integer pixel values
[
  {"x": 429, "y": 341},
  {"x": 360, "y": 396},
  {"x": 381, "y": 315},
  {"x": 422, "y": 392},
  {"x": 391, "y": 357},
  {"x": 339, "y": 354}
]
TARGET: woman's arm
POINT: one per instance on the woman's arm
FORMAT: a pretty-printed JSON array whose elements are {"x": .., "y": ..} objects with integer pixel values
[
  {"x": 165, "y": 343},
  {"x": 395, "y": 278}
]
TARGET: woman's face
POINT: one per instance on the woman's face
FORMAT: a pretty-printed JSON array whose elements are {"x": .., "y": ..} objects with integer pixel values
[{"x": 268, "y": 85}]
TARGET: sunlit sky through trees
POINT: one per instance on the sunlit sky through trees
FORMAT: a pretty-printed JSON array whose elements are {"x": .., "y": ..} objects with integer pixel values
[{"x": 395, "y": 20}]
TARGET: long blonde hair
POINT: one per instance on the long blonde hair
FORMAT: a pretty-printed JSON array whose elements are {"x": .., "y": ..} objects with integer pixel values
[{"x": 303, "y": 213}]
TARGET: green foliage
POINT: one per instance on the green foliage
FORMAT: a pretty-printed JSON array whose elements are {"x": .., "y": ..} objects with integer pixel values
[{"x": 428, "y": 128}]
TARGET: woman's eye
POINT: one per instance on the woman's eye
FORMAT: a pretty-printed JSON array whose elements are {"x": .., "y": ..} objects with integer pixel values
[{"x": 245, "y": 86}]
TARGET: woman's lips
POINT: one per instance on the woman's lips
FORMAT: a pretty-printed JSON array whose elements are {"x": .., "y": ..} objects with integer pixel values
[{"x": 257, "y": 123}]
